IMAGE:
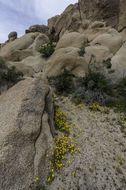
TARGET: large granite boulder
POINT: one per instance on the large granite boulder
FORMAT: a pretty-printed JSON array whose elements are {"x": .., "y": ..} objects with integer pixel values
[
  {"x": 119, "y": 63},
  {"x": 81, "y": 15},
  {"x": 72, "y": 39},
  {"x": 112, "y": 39},
  {"x": 40, "y": 40},
  {"x": 12, "y": 36},
  {"x": 26, "y": 134},
  {"x": 38, "y": 28},
  {"x": 66, "y": 58},
  {"x": 100, "y": 10},
  {"x": 68, "y": 20},
  {"x": 30, "y": 65},
  {"x": 22, "y": 43}
]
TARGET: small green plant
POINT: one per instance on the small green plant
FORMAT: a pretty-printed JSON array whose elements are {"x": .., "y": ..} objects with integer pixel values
[
  {"x": 63, "y": 82},
  {"x": 47, "y": 50},
  {"x": 12, "y": 74},
  {"x": 52, "y": 36},
  {"x": 77, "y": 100},
  {"x": 111, "y": 71},
  {"x": 41, "y": 188},
  {"x": 121, "y": 87},
  {"x": 2, "y": 62},
  {"x": 94, "y": 80},
  {"x": 81, "y": 52},
  {"x": 107, "y": 63},
  {"x": 97, "y": 107},
  {"x": 17, "y": 59},
  {"x": 120, "y": 95},
  {"x": 122, "y": 122}
]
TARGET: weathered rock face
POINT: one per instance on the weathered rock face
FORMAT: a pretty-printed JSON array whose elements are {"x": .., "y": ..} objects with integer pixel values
[
  {"x": 119, "y": 63},
  {"x": 68, "y": 20},
  {"x": 12, "y": 36},
  {"x": 112, "y": 39},
  {"x": 72, "y": 39},
  {"x": 30, "y": 65},
  {"x": 103, "y": 10},
  {"x": 104, "y": 46},
  {"x": 9, "y": 50},
  {"x": 38, "y": 28},
  {"x": 81, "y": 15},
  {"x": 66, "y": 58},
  {"x": 40, "y": 40},
  {"x": 26, "y": 132}
]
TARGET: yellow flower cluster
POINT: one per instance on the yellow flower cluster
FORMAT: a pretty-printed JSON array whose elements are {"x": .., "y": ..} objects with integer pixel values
[
  {"x": 121, "y": 159},
  {"x": 50, "y": 177},
  {"x": 97, "y": 107},
  {"x": 36, "y": 179},
  {"x": 80, "y": 106},
  {"x": 64, "y": 144},
  {"x": 61, "y": 121},
  {"x": 123, "y": 121},
  {"x": 77, "y": 100}
]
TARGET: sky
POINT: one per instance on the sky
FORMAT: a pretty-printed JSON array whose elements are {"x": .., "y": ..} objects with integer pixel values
[{"x": 18, "y": 15}]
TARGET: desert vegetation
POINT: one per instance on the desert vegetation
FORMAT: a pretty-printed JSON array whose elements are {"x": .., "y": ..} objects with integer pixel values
[
  {"x": 47, "y": 49},
  {"x": 94, "y": 87},
  {"x": 8, "y": 75}
]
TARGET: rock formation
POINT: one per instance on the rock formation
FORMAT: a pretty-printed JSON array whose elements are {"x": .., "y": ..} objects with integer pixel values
[
  {"x": 38, "y": 28},
  {"x": 12, "y": 36},
  {"x": 26, "y": 132},
  {"x": 78, "y": 17},
  {"x": 89, "y": 33}
]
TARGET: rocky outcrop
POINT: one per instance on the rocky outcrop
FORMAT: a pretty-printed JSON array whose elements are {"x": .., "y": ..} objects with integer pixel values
[
  {"x": 67, "y": 57},
  {"x": 72, "y": 39},
  {"x": 12, "y": 36},
  {"x": 38, "y": 28},
  {"x": 119, "y": 63},
  {"x": 9, "y": 50},
  {"x": 40, "y": 40},
  {"x": 112, "y": 39},
  {"x": 26, "y": 133},
  {"x": 29, "y": 66},
  {"x": 104, "y": 46},
  {"x": 100, "y": 10},
  {"x": 69, "y": 20},
  {"x": 81, "y": 15}
]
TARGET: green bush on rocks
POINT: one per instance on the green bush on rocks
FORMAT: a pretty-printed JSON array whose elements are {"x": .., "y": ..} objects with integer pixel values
[
  {"x": 62, "y": 82},
  {"x": 94, "y": 80},
  {"x": 47, "y": 49}
]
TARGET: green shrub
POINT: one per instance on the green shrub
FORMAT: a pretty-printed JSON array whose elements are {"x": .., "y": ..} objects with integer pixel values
[
  {"x": 81, "y": 52},
  {"x": 47, "y": 50},
  {"x": 94, "y": 80},
  {"x": 2, "y": 62},
  {"x": 107, "y": 63},
  {"x": 52, "y": 36},
  {"x": 118, "y": 100},
  {"x": 12, "y": 74},
  {"x": 121, "y": 87},
  {"x": 63, "y": 82},
  {"x": 17, "y": 59}
]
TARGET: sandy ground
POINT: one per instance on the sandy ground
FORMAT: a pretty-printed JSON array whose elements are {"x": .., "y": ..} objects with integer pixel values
[{"x": 101, "y": 162}]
